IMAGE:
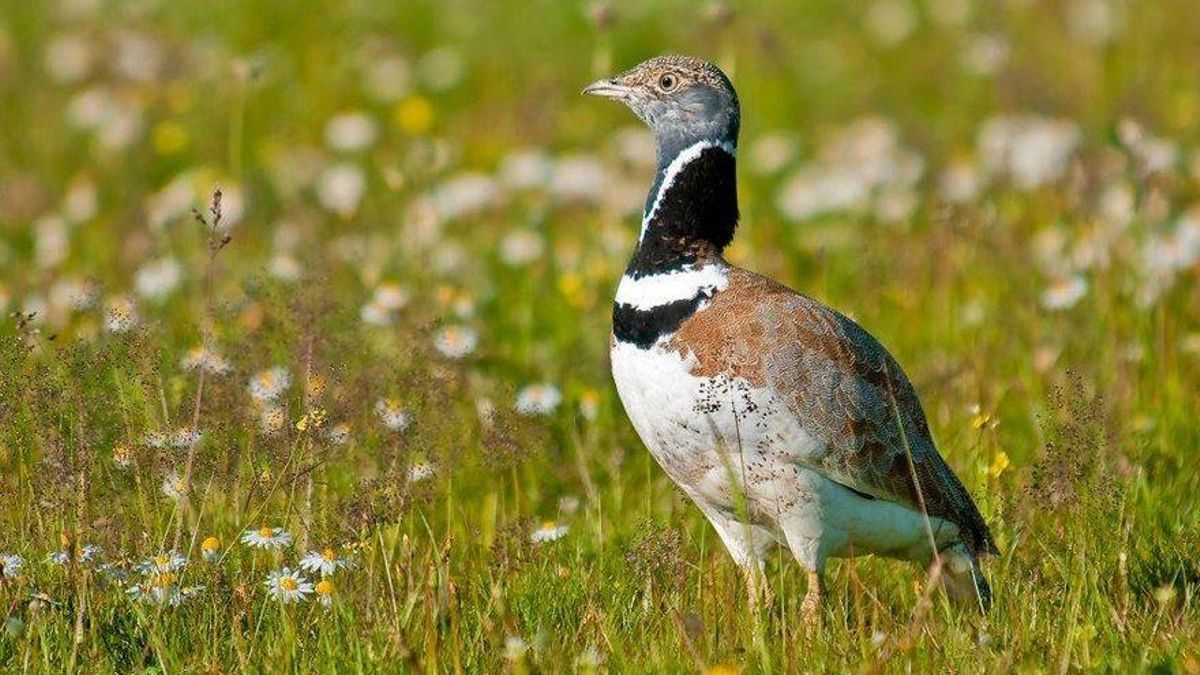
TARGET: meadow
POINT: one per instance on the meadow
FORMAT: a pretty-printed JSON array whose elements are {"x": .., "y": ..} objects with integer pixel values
[{"x": 303, "y": 358}]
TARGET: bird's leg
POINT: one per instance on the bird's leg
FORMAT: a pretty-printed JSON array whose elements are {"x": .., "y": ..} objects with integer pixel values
[{"x": 810, "y": 609}]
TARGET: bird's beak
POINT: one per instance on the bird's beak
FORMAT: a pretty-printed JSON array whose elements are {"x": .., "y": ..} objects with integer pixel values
[{"x": 609, "y": 88}]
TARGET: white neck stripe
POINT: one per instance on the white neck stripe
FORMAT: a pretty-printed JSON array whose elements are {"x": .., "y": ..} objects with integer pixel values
[
  {"x": 655, "y": 290},
  {"x": 672, "y": 172}
]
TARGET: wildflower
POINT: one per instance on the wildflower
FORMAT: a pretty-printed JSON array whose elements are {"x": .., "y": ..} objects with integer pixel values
[
  {"x": 421, "y": 471},
  {"x": 155, "y": 280},
  {"x": 455, "y": 342},
  {"x": 387, "y": 79},
  {"x": 10, "y": 565},
  {"x": 891, "y": 22},
  {"x": 538, "y": 399},
  {"x": 769, "y": 154},
  {"x": 392, "y": 413},
  {"x": 579, "y": 178},
  {"x": 1032, "y": 150},
  {"x": 341, "y": 187},
  {"x": 325, "y": 562},
  {"x": 525, "y": 169},
  {"x": 184, "y": 438},
  {"x": 589, "y": 404},
  {"x": 271, "y": 419},
  {"x": 267, "y": 385},
  {"x": 313, "y": 418},
  {"x": 206, "y": 359},
  {"x": 324, "y": 590},
  {"x": 1064, "y": 292},
  {"x": 267, "y": 538},
  {"x": 315, "y": 385},
  {"x": 287, "y": 586},
  {"x": 466, "y": 194},
  {"x": 388, "y": 299},
  {"x": 162, "y": 563},
  {"x": 338, "y": 434},
  {"x": 549, "y": 531},
  {"x": 122, "y": 455},
  {"x": 998, "y": 465},
  {"x": 441, "y": 68},
  {"x": 520, "y": 247},
  {"x": 69, "y": 58},
  {"x": 210, "y": 548},
  {"x": 121, "y": 315},
  {"x": 414, "y": 115},
  {"x": 722, "y": 669},
  {"x": 514, "y": 648},
  {"x": 350, "y": 132},
  {"x": 174, "y": 487},
  {"x": 87, "y": 555}
]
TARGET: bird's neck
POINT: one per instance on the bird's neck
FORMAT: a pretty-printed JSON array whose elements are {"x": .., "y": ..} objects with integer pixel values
[{"x": 692, "y": 210}]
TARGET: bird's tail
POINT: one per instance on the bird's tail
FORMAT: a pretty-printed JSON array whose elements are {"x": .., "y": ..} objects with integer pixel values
[{"x": 963, "y": 579}]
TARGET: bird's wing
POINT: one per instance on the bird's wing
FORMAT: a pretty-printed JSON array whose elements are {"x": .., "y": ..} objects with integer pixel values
[{"x": 847, "y": 390}]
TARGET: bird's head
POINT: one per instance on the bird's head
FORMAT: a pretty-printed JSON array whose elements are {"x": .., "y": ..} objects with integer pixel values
[{"x": 683, "y": 100}]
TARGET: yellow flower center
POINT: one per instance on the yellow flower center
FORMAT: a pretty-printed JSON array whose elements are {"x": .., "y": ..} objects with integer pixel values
[
  {"x": 211, "y": 544},
  {"x": 288, "y": 584},
  {"x": 328, "y": 554},
  {"x": 324, "y": 587},
  {"x": 266, "y": 532},
  {"x": 161, "y": 560},
  {"x": 548, "y": 524},
  {"x": 163, "y": 580}
]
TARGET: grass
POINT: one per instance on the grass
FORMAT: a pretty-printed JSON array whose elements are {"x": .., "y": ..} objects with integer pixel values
[{"x": 1051, "y": 326}]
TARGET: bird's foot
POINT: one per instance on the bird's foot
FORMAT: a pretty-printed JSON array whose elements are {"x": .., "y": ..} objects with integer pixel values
[{"x": 810, "y": 609}]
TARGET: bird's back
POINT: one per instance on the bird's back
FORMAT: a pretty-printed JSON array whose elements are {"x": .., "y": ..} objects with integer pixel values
[{"x": 843, "y": 387}]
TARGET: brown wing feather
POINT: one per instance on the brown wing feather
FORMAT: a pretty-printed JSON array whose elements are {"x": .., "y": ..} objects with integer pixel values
[{"x": 847, "y": 389}]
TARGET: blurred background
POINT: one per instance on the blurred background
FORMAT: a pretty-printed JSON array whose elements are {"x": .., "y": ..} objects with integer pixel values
[{"x": 420, "y": 228}]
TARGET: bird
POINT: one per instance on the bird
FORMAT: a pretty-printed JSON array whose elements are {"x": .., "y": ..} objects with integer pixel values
[{"x": 783, "y": 420}]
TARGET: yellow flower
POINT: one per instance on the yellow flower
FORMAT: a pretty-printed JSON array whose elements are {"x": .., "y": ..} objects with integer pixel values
[
  {"x": 315, "y": 385},
  {"x": 571, "y": 286},
  {"x": 722, "y": 669},
  {"x": 414, "y": 115},
  {"x": 980, "y": 421},
  {"x": 315, "y": 419},
  {"x": 210, "y": 548},
  {"x": 998, "y": 465},
  {"x": 169, "y": 138}
]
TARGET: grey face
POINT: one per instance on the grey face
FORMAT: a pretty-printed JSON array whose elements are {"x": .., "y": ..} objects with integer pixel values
[{"x": 682, "y": 99}]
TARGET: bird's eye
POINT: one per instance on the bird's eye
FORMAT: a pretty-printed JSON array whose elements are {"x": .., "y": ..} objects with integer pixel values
[{"x": 667, "y": 82}]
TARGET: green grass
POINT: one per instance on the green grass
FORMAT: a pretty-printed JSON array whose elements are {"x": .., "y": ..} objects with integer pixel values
[{"x": 1093, "y": 406}]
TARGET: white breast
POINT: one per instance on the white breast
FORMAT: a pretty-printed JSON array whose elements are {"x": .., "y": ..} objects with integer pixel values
[{"x": 719, "y": 436}]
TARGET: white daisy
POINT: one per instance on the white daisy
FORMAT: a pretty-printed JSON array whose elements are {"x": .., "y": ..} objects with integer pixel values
[
  {"x": 267, "y": 538},
  {"x": 338, "y": 434},
  {"x": 455, "y": 342},
  {"x": 185, "y": 437},
  {"x": 325, "y": 562},
  {"x": 157, "y": 279},
  {"x": 1063, "y": 293},
  {"x": 271, "y": 419},
  {"x": 87, "y": 555},
  {"x": 121, "y": 315},
  {"x": 350, "y": 132},
  {"x": 287, "y": 586},
  {"x": 538, "y": 399},
  {"x": 549, "y": 531},
  {"x": 208, "y": 360},
  {"x": 174, "y": 487},
  {"x": 10, "y": 565},
  {"x": 267, "y": 385},
  {"x": 163, "y": 562},
  {"x": 325, "y": 590},
  {"x": 392, "y": 413},
  {"x": 421, "y": 471},
  {"x": 514, "y": 648}
]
